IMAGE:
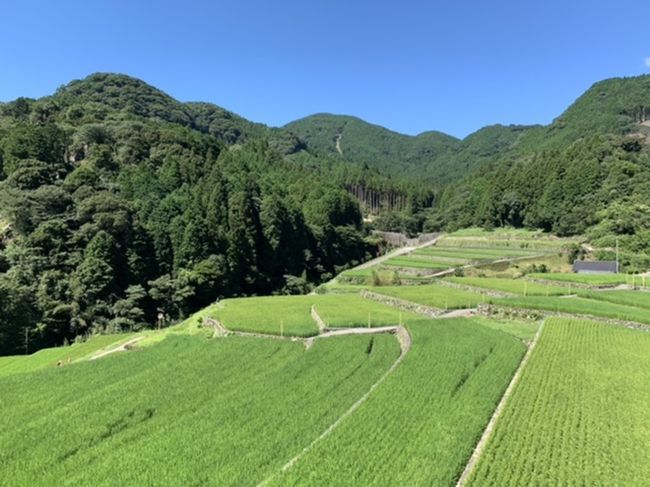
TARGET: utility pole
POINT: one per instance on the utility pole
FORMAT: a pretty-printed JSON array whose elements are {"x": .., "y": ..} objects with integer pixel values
[
  {"x": 617, "y": 255},
  {"x": 26, "y": 340}
]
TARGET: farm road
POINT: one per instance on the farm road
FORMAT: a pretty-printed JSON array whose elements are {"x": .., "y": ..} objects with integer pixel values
[{"x": 395, "y": 253}]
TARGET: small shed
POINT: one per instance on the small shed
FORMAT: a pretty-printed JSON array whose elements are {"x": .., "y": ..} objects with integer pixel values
[{"x": 595, "y": 267}]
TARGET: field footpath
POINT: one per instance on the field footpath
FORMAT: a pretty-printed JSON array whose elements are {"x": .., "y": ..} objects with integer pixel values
[
  {"x": 487, "y": 433},
  {"x": 401, "y": 334},
  {"x": 404, "y": 339},
  {"x": 123, "y": 347}
]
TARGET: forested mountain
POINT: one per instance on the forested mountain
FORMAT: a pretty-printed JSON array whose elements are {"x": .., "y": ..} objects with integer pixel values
[
  {"x": 434, "y": 157},
  {"x": 588, "y": 172},
  {"x": 118, "y": 202}
]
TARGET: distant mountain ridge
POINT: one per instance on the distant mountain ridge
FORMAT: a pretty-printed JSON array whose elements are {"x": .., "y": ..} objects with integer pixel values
[{"x": 613, "y": 106}]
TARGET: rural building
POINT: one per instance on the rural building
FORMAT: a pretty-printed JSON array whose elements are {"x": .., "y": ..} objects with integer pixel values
[{"x": 595, "y": 267}]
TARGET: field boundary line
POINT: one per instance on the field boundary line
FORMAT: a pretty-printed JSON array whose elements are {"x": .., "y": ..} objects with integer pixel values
[
  {"x": 122, "y": 347},
  {"x": 487, "y": 433},
  {"x": 477, "y": 289},
  {"x": 577, "y": 285},
  {"x": 405, "y": 341},
  {"x": 486, "y": 309},
  {"x": 403, "y": 304},
  {"x": 322, "y": 326}
]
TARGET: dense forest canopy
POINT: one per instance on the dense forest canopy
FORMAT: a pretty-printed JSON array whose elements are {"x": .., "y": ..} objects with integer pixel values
[{"x": 118, "y": 203}]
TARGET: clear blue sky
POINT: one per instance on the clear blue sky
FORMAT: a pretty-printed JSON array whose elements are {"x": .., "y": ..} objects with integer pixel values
[{"x": 408, "y": 65}]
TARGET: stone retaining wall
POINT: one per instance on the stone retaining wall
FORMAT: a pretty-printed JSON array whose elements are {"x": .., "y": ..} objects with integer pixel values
[
  {"x": 403, "y": 304},
  {"x": 536, "y": 314}
]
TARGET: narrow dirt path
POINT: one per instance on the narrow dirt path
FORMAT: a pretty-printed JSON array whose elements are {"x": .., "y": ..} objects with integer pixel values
[
  {"x": 120, "y": 348},
  {"x": 459, "y": 313},
  {"x": 487, "y": 433},
  {"x": 401, "y": 334},
  {"x": 404, "y": 339},
  {"x": 322, "y": 326},
  {"x": 338, "y": 144}
]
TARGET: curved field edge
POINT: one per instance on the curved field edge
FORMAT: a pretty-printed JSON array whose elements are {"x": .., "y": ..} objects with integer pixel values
[
  {"x": 421, "y": 425},
  {"x": 579, "y": 414},
  {"x": 226, "y": 412},
  {"x": 50, "y": 357}
]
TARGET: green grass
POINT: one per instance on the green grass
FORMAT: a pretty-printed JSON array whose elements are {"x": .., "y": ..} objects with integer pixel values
[
  {"x": 581, "y": 306},
  {"x": 386, "y": 275},
  {"x": 289, "y": 315},
  {"x": 187, "y": 411},
  {"x": 293, "y": 313},
  {"x": 638, "y": 299},
  {"x": 514, "y": 286},
  {"x": 579, "y": 415},
  {"x": 591, "y": 279},
  {"x": 536, "y": 245},
  {"x": 49, "y": 357},
  {"x": 420, "y": 426},
  {"x": 449, "y": 261},
  {"x": 434, "y": 295},
  {"x": 415, "y": 263},
  {"x": 524, "y": 330},
  {"x": 475, "y": 254},
  {"x": 366, "y": 272},
  {"x": 497, "y": 233},
  {"x": 350, "y": 310}
]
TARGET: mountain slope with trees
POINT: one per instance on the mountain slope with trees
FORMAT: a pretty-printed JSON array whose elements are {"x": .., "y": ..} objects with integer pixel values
[
  {"x": 434, "y": 157},
  {"x": 588, "y": 173},
  {"x": 119, "y": 203}
]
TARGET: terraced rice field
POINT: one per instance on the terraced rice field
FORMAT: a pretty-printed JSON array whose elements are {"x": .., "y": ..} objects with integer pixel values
[
  {"x": 187, "y": 411},
  {"x": 355, "y": 311},
  {"x": 291, "y": 315},
  {"x": 277, "y": 315},
  {"x": 49, "y": 357},
  {"x": 434, "y": 295},
  {"x": 579, "y": 415},
  {"x": 420, "y": 426},
  {"x": 590, "y": 279},
  {"x": 639, "y": 299},
  {"x": 579, "y": 306},
  {"x": 477, "y": 254},
  {"x": 514, "y": 286},
  {"x": 416, "y": 263}
]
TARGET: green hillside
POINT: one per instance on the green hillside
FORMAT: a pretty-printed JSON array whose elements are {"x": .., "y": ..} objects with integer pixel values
[
  {"x": 119, "y": 203},
  {"x": 433, "y": 156},
  {"x": 586, "y": 173}
]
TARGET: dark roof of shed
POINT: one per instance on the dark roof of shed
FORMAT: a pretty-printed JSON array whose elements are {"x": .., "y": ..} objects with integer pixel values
[{"x": 588, "y": 265}]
